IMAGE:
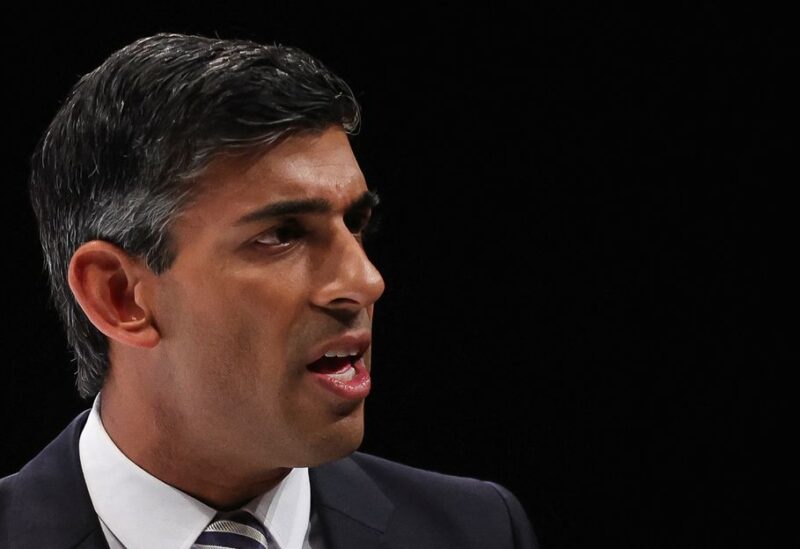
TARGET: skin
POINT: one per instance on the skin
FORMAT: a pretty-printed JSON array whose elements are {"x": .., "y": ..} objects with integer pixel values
[{"x": 208, "y": 388}]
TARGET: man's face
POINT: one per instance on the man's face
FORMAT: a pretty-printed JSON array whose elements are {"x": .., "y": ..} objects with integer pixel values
[{"x": 270, "y": 275}]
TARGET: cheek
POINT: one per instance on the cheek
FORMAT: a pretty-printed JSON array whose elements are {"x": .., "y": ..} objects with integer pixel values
[
  {"x": 233, "y": 321},
  {"x": 236, "y": 324}
]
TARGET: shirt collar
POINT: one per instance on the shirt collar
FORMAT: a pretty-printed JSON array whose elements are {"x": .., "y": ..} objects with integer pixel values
[{"x": 155, "y": 514}]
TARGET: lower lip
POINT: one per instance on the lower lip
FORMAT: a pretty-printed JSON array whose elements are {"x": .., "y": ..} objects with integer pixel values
[{"x": 354, "y": 389}]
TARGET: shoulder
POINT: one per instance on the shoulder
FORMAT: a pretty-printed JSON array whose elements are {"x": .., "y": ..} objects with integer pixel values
[
  {"x": 415, "y": 482},
  {"x": 58, "y": 457},
  {"x": 6, "y": 489},
  {"x": 51, "y": 485},
  {"x": 398, "y": 477},
  {"x": 444, "y": 508}
]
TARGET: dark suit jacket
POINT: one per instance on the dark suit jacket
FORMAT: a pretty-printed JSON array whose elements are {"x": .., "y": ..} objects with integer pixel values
[{"x": 361, "y": 501}]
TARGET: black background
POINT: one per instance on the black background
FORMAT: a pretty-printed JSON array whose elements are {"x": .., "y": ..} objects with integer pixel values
[{"x": 582, "y": 227}]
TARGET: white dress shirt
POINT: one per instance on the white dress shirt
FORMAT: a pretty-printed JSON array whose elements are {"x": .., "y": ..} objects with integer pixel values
[{"x": 137, "y": 510}]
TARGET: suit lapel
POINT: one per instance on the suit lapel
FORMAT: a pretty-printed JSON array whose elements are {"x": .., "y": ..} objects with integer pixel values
[
  {"x": 351, "y": 508},
  {"x": 50, "y": 499}
]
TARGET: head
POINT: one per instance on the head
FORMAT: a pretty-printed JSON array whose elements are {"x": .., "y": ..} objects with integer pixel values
[{"x": 200, "y": 212}]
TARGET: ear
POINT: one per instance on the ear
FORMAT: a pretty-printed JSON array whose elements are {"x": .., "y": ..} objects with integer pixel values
[{"x": 111, "y": 288}]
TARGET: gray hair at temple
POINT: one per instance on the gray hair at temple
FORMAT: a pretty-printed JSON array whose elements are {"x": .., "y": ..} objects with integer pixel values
[{"x": 119, "y": 160}]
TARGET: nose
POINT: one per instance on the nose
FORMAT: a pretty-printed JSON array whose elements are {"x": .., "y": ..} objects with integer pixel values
[{"x": 348, "y": 279}]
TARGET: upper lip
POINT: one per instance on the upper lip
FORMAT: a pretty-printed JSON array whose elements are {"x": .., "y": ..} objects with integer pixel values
[{"x": 358, "y": 341}]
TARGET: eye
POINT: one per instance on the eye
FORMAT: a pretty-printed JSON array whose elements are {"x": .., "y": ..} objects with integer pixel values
[
  {"x": 281, "y": 236},
  {"x": 362, "y": 223}
]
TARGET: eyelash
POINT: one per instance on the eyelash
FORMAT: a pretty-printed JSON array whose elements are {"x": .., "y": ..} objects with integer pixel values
[
  {"x": 372, "y": 226},
  {"x": 296, "y": 230}
]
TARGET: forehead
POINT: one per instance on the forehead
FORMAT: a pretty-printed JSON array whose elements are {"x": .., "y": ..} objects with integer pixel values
[{"x": 307, "y": 165}]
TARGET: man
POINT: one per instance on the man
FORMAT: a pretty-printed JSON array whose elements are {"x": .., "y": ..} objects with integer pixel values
[{"x": 202, "y": 214}]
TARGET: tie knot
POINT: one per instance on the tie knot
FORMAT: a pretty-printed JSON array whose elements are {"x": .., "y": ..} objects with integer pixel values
[{"x": 235, "y": 530}]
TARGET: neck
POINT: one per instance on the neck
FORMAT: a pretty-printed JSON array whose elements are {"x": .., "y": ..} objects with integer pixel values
[{"x": 152, "y": 438}]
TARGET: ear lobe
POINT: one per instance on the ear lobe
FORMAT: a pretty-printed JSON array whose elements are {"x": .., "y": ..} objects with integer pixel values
[{"x": 108, "y": 285}]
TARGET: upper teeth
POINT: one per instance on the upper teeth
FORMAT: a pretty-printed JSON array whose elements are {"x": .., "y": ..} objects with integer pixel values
[{"x": 337, "y": 353}]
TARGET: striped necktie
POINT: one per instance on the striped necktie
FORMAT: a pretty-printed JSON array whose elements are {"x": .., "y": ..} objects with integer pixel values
[{"x": 233, "y": 530}]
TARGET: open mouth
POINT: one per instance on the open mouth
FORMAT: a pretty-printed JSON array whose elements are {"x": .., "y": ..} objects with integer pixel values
[
  {"x": 345, "y": 376},
  {"x": 339, "y": 366},
  {"x": 342, "y": 368}
]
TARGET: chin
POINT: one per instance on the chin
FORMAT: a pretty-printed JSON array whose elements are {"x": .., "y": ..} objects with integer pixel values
[{"x": 337, "y": 441}]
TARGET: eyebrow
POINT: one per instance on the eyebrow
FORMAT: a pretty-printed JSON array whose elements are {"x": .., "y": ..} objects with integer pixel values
[{"x": 367, "y": 201}]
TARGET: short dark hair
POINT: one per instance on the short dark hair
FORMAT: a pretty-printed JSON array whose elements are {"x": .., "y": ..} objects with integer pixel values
[{"x": 118, "y": 161}]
